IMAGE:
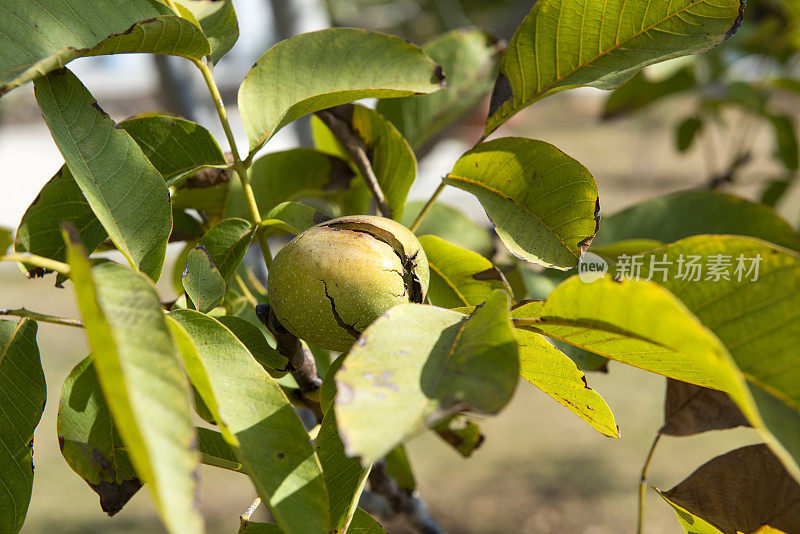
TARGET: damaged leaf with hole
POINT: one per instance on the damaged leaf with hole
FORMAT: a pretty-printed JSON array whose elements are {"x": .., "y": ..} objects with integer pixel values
[{"x": 334, "y": 279}]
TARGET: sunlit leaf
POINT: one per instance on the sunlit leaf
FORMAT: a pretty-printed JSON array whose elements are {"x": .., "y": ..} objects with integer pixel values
[
  {"x": 741, "y": 491},
  {"x": 142, "y": 381},
  {"x": 415, "y": 364},
  {"x": 202, "y": 281},
  {"x": 543, "y": 203},
  {"x": 22, "y": 396},
  {"x": 570, "y": 43},
  {"x": 90, "y": 443},
  {"x": 552, "y": 371},
  {"x": 470, "y": 58},
  {"x": 39, "y": 37},
  {"x": 252, "y": 338},
  {"x": 6, "y": 239},
  {"x": 459, "y": 432},
  {"x": 125, "y": 191},
  {"x": 460, "y": 277},
  {"x": 257, "y": 419},
  {"x": 322, "y": 69},
  {"x": 293, "y": 218}
]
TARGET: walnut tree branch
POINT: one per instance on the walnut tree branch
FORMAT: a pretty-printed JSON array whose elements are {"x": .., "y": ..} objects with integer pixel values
[
  {"x": 301, "y": 361},
  {"x": 402, "y": 502},
  {"x": 336, "y": 120}
]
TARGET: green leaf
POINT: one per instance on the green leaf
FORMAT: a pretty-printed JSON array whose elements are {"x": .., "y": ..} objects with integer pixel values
[
  {"x": 740, "y": 491},
  {"x": 202, "y": 281},
  {"x": 470, "y": 58},
  {"x": 399, "y": 468},
  {"x": 687, "y": 132},
  {"x": 774, "y": 190},
  {"x": 40, "y": 37},
  {"x": 219, "y": 24},
  {"x": 570, "y": 43},
  {"x": 125, "y": 191},
  {"x": 552, "y": 371},
  {"x": 673, "y": 217},
  {"x": 292, "y": 218},
  {"x": 257, "y": 419},
  {"x": 543, "y": 203},
  {"x": 217, "y": 452},
  {"x": 460, "y": 433},
  {"x": 460, "y": 277},
  {"x": 415, "y": 364},
  {"x": 290, "y": 175},
  {"x": 597, "y": 317},
  {"x": 252, "y": 338},
  {"x": 226, "y": 243},
  {"x": 89, "y": 441},
  {"x": 639, "y": 92},
  {"x": 6, "y": 239},
  {"x": 344, "y": 476},
  {"x": 392, "y": 159},
  {"x": 786, "y": 143},
  {"x": 752, "y": 313},
  {"x": 142, "y": 382},
  {"x": 322, "y": 69},
  {"x": 175, "y": 146},
  {"x": 22, "y": 395},
  {"x": 691, "y": 523},
  {"x": 451, "y": 225},
  {"x": 363, "y": 523}
]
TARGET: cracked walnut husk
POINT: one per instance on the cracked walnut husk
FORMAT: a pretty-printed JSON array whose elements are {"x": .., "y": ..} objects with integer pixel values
[{"x": 330, "y": 282}]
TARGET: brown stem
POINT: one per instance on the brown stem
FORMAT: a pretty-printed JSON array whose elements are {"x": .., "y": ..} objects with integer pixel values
[
  {"x": 401, "y": 502},
  {"x": 301, "y": 361},
  {"x": 336, "y": 119}
]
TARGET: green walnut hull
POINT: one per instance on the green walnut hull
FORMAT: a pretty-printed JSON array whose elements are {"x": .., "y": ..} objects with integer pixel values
[{"x": 330, "y": 282}]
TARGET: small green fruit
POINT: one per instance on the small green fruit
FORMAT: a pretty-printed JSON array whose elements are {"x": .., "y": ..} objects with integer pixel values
[{"x": 334, "y": 279}]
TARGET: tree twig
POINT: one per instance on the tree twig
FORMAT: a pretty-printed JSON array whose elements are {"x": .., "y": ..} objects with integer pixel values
[
  {"x": 302, "y": 365},
  {"x": 22, "y": 312},
  {"x": 336, "y": 119},
  {"x": 643, "y": 483},
  {"x": 401, "y": 502}
]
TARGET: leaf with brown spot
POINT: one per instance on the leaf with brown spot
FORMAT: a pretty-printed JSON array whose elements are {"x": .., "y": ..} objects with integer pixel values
[
  {"x": 741, "y": 491},
  {"x": 690, "y": 409},
  {"x": 461, "y": 433}
]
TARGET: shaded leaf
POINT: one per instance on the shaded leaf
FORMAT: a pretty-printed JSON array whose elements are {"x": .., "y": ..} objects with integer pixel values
[
  {"x": 90, "y": 443},
  {"x": 6, "y": 239},
  {"x": 470, "y": 58},
  {"x": 125, "y": 191},
  {"x": 252, "y": 338},
  {"x": 322, "y": 69},
  {"x": 142, "y": 382},
  {"x": 552, "y": 371},
  {"x": 460, "y": 277},
  {"x": 215, "y": 451},
  {"x": 363, "y": 523},
  {"x": 459, "y": 432},
  {"x": 202, "y": 281},
  {"x": 639, "y": 92},
  {"x": 399, "y": 468},
  {"x": 562, "y": 44},
  {"x": 39, "y": 37},
  {"x": 673, "y": 217},
  {"x": 690, "y": 409},
  {"x": 344, "y": 476},
  {"x": 415, "y": 364},
  {"x": 226, "y": 242},
  {"x": 742, "y": 490},
  {"x": 543, "y": 203},
  {"x": 219, "y": 24},
  {"x": 390, "y": 155},
  {"x": 451, "y": 225},
  {"x": 687, "y": 132},
  {"x": 786, "y": 143},
  {"x": 257, "y": 419},
  {"x": 22, "y": 396},
  {"x": 774, "y": 191},
  {"x": 290, "y": 175}
]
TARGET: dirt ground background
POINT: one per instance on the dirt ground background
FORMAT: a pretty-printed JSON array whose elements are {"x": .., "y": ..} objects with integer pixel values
[{"x": 541, "y": 469}]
